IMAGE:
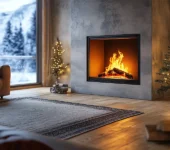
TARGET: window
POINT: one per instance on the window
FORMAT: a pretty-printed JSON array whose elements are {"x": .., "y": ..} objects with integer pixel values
[{"x": 18, "y": 44}]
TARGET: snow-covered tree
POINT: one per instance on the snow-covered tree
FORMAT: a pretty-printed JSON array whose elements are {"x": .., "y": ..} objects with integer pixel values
[
  {"x": 18, "y": 41},
  {"x": 21, "y": 41},
  {"x": 14, "y": 44},
  {"x": 7, "y": 41}
]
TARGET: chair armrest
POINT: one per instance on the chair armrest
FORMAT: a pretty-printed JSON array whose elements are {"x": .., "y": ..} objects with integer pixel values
[{"x": 5, "y": 73}]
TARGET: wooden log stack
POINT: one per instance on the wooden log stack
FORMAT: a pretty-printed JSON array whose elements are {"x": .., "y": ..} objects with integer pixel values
[
  {"x": 116, "y": 72},
  {"x": 123, "y": 73},
  {"x": 102, "y": 74},
  {"x": 59, "y": 88}
]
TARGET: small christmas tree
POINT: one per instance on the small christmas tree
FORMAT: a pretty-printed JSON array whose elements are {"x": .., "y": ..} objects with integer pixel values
[
  {"x": 58, "y": 67},
  {"x": 164, "y": 74}
]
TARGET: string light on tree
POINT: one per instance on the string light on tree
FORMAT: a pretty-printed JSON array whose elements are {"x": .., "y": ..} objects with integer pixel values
[
  {"x": 164, "y": 74},
  {"x": 58, "y": 67}
]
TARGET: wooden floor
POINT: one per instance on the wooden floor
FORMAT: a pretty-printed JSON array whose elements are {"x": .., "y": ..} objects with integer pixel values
[{"x": 128, "y": 134}]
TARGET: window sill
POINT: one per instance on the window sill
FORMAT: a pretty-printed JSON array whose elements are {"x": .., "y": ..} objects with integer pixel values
[{"x": 28, "y": 86}]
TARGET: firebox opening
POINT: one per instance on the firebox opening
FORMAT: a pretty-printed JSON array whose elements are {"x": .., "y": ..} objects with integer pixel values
[{"x": 114, "y": 59}]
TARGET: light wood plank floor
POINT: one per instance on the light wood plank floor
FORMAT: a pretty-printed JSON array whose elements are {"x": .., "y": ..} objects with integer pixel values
[{"x": 128, "y": 134}]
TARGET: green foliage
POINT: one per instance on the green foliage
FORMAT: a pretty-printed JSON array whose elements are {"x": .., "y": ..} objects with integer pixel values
[{"x": 164, "y": 74}]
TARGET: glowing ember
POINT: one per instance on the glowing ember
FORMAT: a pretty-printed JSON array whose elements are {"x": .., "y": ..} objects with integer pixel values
[
  {"x": 116, "y": 62},
  {"x": 115, "y": 77}
]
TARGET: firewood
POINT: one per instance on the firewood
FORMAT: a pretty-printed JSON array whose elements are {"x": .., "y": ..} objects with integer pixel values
[
  {"x": 116, "y": 72},
  {"x": 121, "y": 72},
  {"x": 102, "y": 74},
  {"x": 111, "y": 72},
  {"x": 59, "y": 88}
]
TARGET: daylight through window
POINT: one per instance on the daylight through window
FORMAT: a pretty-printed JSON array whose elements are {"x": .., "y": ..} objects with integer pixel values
[{"x": 18, "y": 39}]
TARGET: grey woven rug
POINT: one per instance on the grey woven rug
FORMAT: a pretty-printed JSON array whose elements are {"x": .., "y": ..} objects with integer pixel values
[{"x": 57, "y": 118}]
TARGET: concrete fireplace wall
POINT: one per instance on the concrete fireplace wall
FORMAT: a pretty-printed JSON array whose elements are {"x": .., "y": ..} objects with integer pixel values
[
  {"x": 74, "y": 20},
  {"x": 61, "y": 27},
  {"x": 109, "y": 17}
]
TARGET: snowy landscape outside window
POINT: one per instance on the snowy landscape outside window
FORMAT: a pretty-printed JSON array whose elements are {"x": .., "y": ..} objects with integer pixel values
[{"x": 18, "y": 39}]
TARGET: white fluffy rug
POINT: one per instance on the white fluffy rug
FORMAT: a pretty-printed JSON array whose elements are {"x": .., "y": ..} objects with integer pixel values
[{"x": 56, "y": 118}]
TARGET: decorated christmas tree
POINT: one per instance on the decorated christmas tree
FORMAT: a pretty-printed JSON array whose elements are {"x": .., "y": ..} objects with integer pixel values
[
  {"x": 57, "y": 66},
  {"x": 164, "y": 74}
]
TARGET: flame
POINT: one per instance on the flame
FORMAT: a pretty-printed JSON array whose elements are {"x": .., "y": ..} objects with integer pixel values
[{"x": 116, "y": 62}]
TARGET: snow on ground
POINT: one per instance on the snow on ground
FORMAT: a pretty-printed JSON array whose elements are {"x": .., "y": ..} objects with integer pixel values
[{"x": 23, "y": 78}]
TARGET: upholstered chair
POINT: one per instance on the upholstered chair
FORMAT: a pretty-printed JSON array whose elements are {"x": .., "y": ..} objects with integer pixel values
[{"x": 5, "y": 75}]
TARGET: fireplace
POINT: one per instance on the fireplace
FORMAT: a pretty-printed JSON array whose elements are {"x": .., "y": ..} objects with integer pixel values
[{"x": 114, "y": 59}]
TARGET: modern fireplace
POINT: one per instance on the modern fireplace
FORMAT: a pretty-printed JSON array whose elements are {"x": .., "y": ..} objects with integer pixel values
[{"x": 114, "y": 59}]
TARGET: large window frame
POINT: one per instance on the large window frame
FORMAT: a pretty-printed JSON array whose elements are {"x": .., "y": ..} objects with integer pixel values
[
  {"x": 39, "y": 42},
  {"x": 38, "y": 48}
]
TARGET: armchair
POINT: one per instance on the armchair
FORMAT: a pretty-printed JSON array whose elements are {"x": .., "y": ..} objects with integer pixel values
[{"x": 5, "y": 75}]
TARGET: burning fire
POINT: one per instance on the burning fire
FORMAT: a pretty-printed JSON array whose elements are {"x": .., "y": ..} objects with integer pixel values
[
  {"x": 116, "y": 62},
  {"x": 116, "y": 68}
]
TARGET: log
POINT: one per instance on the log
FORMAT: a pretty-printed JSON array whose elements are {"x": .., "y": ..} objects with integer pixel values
[
  {"x": 123, "y": 73},
  {"x": 102, "y": 74},
  {"x": 116, "y": 72},
  {"x": 111, "y": 72}
]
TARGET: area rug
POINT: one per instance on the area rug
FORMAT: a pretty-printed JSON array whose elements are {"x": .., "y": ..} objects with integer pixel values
[{"x": 57, "y": 118}]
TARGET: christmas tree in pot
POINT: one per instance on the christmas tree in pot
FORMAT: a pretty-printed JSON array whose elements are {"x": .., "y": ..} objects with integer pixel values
[
  {"x": 58, "y": 68},
  {"x": 164, "y": 74}
]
